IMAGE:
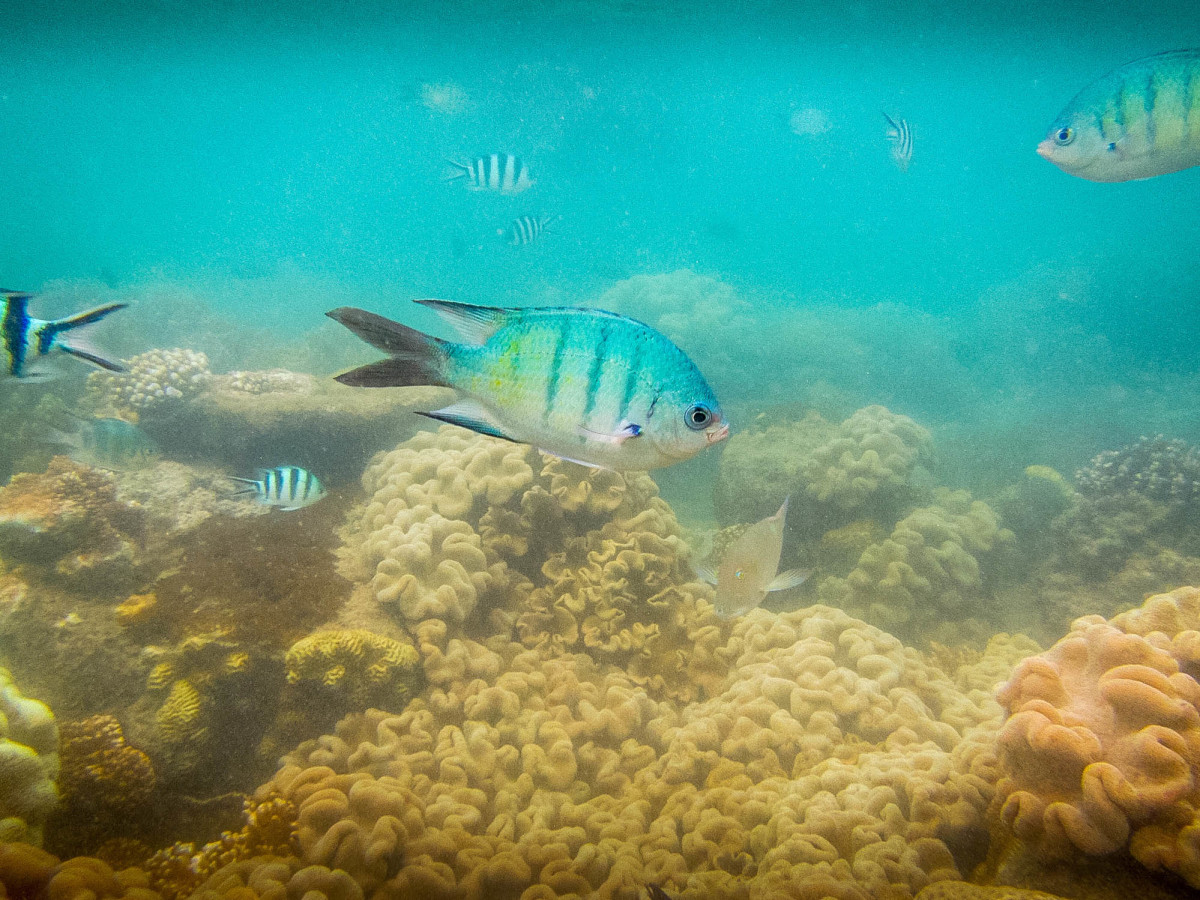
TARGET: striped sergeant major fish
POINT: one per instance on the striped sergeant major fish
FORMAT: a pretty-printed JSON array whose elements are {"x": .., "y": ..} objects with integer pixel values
[
  {"x": 286, "y": 487},
  {"x": 501, "y": 172},
  {"x": 586, "y": 385},
  {"x": 525, "y": 230},
  {"x": 899, "y": 135},
  {"x": 28, "y": 341},
  {"x": 1138, "y": 121}
]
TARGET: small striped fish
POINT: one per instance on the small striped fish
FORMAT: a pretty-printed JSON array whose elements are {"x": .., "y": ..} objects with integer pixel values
[
  {"x": 1138, "y": 121},
  {"x": 27, "y": 341},
  {"x": 287, "y": 487},
  {"x": 501, "y": 172},
  {"x": 583, "y": 384},
  {"x": 900, "y": 137},
  {"x": 526, "y": 229}
]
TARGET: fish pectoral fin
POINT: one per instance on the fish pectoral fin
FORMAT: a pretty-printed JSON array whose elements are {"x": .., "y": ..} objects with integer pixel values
[
  {"x": 474, "y": 324},
  {"x": 578, "y": 462},
  {"x": 624, "y": 432},
  {"x": 705, "y": 573},
  {"x": 469, "y": 414},
  {"x": 789, "y": 579}
]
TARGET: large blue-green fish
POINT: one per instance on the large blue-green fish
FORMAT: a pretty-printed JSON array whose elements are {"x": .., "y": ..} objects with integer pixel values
[
  {"x": 587, "y": 385},
  {"x": 28, "y": 341},
  {"x": 1138, "y": 121}
]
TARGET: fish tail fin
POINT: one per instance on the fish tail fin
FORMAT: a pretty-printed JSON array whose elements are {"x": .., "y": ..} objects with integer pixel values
[
  {"x": 54, "y": 334},
  {"x": 893, "y": 128},
  {"x": 461, "y": 170},
  {"x": 416, "y": 358}
]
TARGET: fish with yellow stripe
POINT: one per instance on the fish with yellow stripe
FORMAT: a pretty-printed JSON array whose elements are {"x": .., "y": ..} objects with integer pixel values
[
  {"x": 1138, "y": 121},
  {"x": 587, "y": 385}
]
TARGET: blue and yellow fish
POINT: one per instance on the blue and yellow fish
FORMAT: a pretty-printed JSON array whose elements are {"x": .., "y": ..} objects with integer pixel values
[
  {"x": 286, "y": 487},
  {"x": 28, "y": 341},
  {"x": 1138, "y": 121},
  {"x": 587, "y": 385}
]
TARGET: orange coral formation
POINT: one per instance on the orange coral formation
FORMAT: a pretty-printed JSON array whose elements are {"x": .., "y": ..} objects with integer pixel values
[
  {"x": 68, "y": 523},
  {"x": 1102, "y": 747}
]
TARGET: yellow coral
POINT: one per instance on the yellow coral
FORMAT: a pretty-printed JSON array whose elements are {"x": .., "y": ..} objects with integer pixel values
[
  {"x": 361, "y": 664},
  {"x": 137, "y": 609}
]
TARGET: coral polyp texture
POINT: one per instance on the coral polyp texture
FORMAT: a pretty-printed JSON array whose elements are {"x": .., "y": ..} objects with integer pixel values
[
  {"x": 364, "y": 667},
  {"x": 152, "y": 379},
  {"x": 1101, "y": 750},
  {"x": 829, "y": 759},
  {"x": 29, "y": 764},
  {"x": 1154, "y": 467}
]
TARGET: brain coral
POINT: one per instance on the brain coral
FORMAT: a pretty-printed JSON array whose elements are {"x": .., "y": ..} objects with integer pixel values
[
  {"x": 1101, "y": 751},
  {"x": 28, "y": 764},
  {"x": 360, "y": 665},
  {"x": 830, "y": 760},
  {"x": 929, "y": 569}
]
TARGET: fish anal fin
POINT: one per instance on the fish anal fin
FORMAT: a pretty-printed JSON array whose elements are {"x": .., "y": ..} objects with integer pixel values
[
  {"x": 578, "y": 462},
  {"x": 789, "y": 579},
  {"x": 469, "y": 414},
  {"x": 474, "y": 324}
]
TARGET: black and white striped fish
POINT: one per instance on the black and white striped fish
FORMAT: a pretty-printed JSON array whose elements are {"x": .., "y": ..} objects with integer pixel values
[
  {"x": 526, "y": 229},
  {"x": 287, "y": 487},
  {"x": 26, "y": 341},
  {"x": 500, "y": 172},
  {"x": 900, "y": 137}
]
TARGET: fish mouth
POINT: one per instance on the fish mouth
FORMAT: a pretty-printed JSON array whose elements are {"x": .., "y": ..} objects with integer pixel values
[
  {"x": 1045, "y": 149},
  {"x": 719, "y": 434}
]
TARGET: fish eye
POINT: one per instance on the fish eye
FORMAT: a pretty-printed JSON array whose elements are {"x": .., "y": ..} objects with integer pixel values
[
  {"x": 1064, "y": 136},
  {"x": 698, "y": 416}
]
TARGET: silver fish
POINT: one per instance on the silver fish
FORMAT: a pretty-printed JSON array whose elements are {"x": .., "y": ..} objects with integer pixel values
[
  {"x": 748, "y": 569},
  {"x": 108, "y": 444},
  {"x": 500, "y": 172},
  {"x": 1138, "y": 121},
  {"x": 900, "y": 137},
  {"x": 287, "y": 487}
]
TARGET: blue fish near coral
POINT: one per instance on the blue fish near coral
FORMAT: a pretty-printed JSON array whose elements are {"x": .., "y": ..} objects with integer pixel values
[
  {"x": 285, "y": 487},
  {"x": 28, "y": 341},
  {"x": 583, "y": 384}
]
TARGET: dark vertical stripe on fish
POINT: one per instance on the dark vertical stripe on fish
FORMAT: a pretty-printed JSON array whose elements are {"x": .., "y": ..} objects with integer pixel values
[
  {"x": 554, "y": 375},
  {"x": 631, "y": 376},
  {"x": 593, "y": 380},
  {"x": 16, "y": 332}
]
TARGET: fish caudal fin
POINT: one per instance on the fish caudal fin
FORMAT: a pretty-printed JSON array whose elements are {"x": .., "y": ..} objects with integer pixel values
[
  {"x": 416, "y": 358},
  {"x": 789, "y": 579},
  {"x": 55, "y": 334}
]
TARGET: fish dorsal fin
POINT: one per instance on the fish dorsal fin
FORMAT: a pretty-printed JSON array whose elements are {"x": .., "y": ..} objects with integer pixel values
[
  {"x": 789, "y": 579},
  {"x": 475, "y": 324}
]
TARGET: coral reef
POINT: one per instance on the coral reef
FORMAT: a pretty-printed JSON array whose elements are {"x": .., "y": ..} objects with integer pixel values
[
  {"x": 930, "y": 569},
  {"x": 829, "y": 755},
  {"x": 363, "y": 667},
  {"x": 28, "y": 764},
  {"x": 1157, "y": 468},
  {"x": 1030, "y": 506},
  {"x": 1101, "y": 750},
  {"x": 68, "y": 525},
  {"x": 153, "y": 379}
]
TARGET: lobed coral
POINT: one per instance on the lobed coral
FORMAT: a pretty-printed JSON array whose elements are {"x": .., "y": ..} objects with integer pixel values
[
  {"x": 828, "y": 756},
  {"x": 152, "y": 379},
  {"x": 927, "y": 571},
  {"x": 28, "y": 764},
  {"x": 1101, "y": 750}
]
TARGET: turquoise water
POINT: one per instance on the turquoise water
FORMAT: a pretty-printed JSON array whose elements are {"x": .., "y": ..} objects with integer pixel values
[{"x": 236, "y": 170}]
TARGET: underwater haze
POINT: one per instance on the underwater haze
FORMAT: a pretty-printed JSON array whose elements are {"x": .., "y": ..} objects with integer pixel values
[{"x": 906, "y": 599}]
